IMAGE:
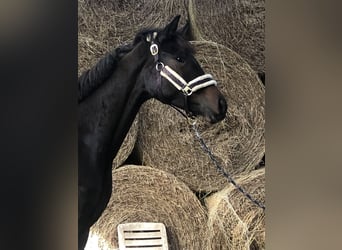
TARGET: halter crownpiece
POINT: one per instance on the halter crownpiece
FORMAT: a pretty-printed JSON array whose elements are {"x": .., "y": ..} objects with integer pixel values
[
  {"x": 173, "y": 77},
  {"x": 149, "y": 38}
]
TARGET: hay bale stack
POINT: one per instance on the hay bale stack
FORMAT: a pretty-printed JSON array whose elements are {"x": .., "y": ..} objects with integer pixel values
[
  {"x": 156, "y": 13},
  {"x": 238, "y": 24},
  {"x": 234, "y": 222},
  {"x": 144, "y": 194},
  {"x": 166, "y": 142},
  {"x": 98, "y": 32},
  {"x": 105, "y": 25}
]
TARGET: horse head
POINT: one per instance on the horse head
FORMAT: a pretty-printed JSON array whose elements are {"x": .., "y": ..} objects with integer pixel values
[{"x": 172, "y": 75}]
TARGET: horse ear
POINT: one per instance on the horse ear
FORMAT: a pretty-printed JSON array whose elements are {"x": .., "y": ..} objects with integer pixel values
[
  {"x": 185, "y": 31},
  {"x": 171, "y": 28}
]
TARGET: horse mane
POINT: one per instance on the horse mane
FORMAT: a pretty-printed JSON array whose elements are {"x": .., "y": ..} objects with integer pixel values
[{"x": 92, "y": 78}]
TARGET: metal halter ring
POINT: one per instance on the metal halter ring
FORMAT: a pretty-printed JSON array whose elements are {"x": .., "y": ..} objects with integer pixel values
[
  {"x": 159, "y": 66},
  {"x": 187, "y": 91}
]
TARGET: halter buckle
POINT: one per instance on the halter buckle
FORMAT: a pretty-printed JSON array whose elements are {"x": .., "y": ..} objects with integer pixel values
[{"x": 154, "y": 49}]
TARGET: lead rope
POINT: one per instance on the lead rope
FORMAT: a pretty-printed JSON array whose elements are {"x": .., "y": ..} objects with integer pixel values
[
  {"x": 219, "y": 168},
  {"x": 159, "y": 67}
]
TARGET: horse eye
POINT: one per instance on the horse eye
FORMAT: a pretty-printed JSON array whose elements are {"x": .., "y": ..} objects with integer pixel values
[{"x": 179, "y": 59}]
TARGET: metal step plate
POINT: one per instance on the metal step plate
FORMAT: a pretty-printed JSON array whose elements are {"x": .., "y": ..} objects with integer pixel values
[{"x": 142, "y": 236}]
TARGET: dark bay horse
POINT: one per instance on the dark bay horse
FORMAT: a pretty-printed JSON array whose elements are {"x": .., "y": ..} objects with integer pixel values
[{"x": 158, "y": 64}]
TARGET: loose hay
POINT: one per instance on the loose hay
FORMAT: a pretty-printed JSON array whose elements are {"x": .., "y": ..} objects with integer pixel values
[
  {"x": 166, "y": 142},
  {"x": 144, "y": 194},
  {"x": 238, "y": 24},
  {"x": 234, "y": 222}
]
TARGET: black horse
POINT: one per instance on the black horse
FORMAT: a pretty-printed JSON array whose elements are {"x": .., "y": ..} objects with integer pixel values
[{"x": 158, "y": 64}]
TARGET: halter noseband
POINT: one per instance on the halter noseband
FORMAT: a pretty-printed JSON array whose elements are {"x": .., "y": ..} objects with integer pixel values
[{"x": 187, "y": 88}]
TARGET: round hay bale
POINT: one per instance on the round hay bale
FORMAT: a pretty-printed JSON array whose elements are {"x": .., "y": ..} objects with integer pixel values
[
  {"x": 237, "y": 24},
  {"x": 234, "y": 222},
  {"x": 165, "y": 140},
  {"x": 127, "y": 145},
  {"x": 145, "y": 194}
]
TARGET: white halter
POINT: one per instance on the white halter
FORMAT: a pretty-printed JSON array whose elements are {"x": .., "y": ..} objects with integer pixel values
[
  {"x": 186, "y": 87},
  {"x": 174, "y": 78}
]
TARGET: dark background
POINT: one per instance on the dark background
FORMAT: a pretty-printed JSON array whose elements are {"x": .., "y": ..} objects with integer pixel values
[{"x": 38, "y": 140}]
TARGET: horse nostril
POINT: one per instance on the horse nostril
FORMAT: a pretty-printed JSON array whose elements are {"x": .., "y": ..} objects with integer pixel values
[{"x": 222, "y": 106}]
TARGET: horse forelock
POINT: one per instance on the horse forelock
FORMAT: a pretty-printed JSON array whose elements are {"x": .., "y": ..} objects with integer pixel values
[
  {"x": 171, "y": 43},
  {"x": 141, "y": 35}
]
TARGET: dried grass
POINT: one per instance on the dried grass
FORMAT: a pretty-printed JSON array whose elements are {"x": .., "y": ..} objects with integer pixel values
[
  {"x": 237, "y": 24},
  {"x": 166, "y": 142},
  {"x": 98, "y": 32},
  {"x": 234, "y": 222},
  {"x": 144, "y": 194},
  {"x": 105, "y": 25}
]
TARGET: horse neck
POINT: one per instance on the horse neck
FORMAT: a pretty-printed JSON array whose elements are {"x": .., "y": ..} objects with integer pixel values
[
  {"x": 117, "y": 102},
  {"x": 133, "y": 93},
  {"x": 133, "y": 100}
]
